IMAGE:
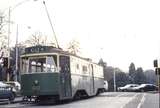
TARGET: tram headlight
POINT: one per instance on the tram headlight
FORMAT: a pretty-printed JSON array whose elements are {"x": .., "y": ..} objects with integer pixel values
[{"x": 36, "y": 82}]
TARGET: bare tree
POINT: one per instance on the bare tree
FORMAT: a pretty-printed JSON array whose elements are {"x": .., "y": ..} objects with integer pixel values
[
  {"x": 3, "y": 36},
  {"x": 38, "y": 38},
  {"x": 74, "y": 47},
  {"x": 1, "y": 21}
]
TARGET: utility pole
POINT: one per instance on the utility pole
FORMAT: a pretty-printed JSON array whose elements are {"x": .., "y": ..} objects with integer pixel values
[
  {"x": 16, "y": 71},
  {"x": 9, "y": 17},
  {"x": 9, "y": 21}
]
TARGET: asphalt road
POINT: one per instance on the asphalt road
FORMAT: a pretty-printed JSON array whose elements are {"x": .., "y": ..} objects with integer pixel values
[{"x": 105, "y": 100}]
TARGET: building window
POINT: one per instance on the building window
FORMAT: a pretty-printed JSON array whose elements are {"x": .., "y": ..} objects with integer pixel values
[
  {"x": 77, "y": 66},
  {"x": 84, "y": 69}
]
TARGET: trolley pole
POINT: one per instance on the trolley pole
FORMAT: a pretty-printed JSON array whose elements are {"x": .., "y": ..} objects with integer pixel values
[{"x": 49, "y": 18}]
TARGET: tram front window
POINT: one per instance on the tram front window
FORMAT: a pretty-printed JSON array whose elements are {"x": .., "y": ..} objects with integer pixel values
[{"x": 37, "y": 65}]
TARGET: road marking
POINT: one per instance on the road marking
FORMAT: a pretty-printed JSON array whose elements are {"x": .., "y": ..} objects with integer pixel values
[
  {"x": 142, "y": 101},
  {"x": 121, "y": 95},
  {"x": 129, "y": 100},
  {"x": 115, "y": 93}
]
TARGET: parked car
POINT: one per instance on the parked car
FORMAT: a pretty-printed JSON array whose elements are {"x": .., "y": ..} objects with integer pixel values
[
  {"x": 145, "y": 88},
  {"x": 16, "y": 85},
  {"x": 127, "y": 87},
  {"x": 7, "y": 91}
]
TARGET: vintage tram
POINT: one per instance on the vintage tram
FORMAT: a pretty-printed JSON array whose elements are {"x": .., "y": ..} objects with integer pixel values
[{"x": 51, "y": 73}]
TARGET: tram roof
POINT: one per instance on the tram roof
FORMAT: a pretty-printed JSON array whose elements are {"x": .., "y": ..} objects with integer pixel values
[
  {"x": 48, "y": 49},
  {"x": 43, "y": 49}
]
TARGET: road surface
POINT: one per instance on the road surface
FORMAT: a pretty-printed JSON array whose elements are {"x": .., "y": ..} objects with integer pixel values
[{"x": 105, "y": 100}]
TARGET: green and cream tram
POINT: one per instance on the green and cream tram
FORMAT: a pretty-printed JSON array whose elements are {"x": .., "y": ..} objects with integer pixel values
[{"x": 51, "y": 73}]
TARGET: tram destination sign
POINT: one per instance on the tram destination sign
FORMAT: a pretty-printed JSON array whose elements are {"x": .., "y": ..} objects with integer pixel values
[{"x": 38, "y": 49}]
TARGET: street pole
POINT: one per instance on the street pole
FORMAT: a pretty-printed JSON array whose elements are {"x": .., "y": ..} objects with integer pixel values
[
  {"x": 114, "y": 78},
  {"x": 16, "y": 54},
  {"x": 158, "y": 83},
  {"x": 9, "y": 21},
  {"x": 9, "y": 17}
]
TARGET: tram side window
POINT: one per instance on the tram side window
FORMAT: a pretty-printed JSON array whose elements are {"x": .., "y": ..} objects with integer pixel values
[
  {"x": 37, "y": 65},
  {"x": 24, "y": 65},
  {"x": 51, "y": 64}
]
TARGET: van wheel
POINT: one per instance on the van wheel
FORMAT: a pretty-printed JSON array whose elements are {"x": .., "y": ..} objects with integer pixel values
[
  {"x": 12, "y": 97},
  {"x": 142, "y": 90}
]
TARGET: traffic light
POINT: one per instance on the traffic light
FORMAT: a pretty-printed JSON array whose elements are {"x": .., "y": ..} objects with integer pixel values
[
  {"x": 155, "y": 63},
  {"x": 157, "y": 71}
]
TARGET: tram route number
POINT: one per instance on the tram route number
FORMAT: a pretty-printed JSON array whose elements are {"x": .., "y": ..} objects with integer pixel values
[
  {"x": 38, "y": 49},
  {"x": 35, "y": 88}
]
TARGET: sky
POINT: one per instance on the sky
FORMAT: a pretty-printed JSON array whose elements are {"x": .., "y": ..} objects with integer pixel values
[{"x": 119, "y": 31}]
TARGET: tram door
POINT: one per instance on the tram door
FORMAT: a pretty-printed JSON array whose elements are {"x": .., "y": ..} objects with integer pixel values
[
  {"x": 92, "y": 87},
  {"x": 65, "y": 77}
]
